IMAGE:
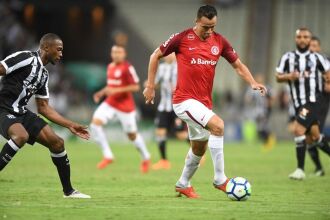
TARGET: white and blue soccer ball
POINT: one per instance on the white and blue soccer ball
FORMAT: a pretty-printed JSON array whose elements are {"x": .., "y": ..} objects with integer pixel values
[{"x": 238, "y": 189}]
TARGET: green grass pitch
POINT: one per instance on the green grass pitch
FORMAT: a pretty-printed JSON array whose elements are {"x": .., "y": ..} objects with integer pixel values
[{"x": 30, "y": 188}]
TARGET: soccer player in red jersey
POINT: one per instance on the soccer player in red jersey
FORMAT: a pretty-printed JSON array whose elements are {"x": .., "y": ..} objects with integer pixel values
[
  {"x": 122, "y": 80},
  {"x": 198, "y": 50}
]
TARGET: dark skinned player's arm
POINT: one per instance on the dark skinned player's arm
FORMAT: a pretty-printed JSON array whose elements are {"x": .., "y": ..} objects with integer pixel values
[
  {"x": 2, "y": 70},
  {"x": 326, "y": 77},
  {"x": 48, "y": 112}
]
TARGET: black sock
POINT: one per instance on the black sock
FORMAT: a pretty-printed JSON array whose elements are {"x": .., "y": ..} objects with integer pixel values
[
  {"x": 62, "y": 164},
  {"x": 7, "y": 153},
  {"x": 324, "y": 146},
  {"x": 300, "y": 151},
  {"x": 162, "y": 149},
  {"x": 313, "y": 152}
]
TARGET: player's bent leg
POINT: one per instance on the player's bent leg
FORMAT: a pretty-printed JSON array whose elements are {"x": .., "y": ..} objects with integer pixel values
[
  {"x": 99, "y": 136},
  {"x": 300, "y": 140},
  {"x": 192, "y": 161},
  {"x": 55, "y": 144},
  {"x": 319, "y": 139},
  {"x": 140, "y": 145},
  {"x": 312, "y": 142},
  {"x": 18, "y": 137},
  {"x": 161, "y": 138},
  {"x": 216, "y": 127}
]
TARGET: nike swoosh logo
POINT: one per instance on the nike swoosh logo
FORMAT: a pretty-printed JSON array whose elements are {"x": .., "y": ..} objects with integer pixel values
[{"x": 191, "y": 48}]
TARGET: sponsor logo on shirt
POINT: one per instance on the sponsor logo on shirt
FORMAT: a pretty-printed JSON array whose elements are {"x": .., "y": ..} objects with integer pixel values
[
  {"x": 171, "y": 37},
  {"x": 215, "y": 50},
  {"x": 116, "y": 82},
  {"x": 10, "y": 116},
  {"x": 203, "y": 62}
]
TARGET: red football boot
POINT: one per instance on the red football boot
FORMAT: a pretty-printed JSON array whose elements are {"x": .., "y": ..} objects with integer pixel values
[
  {"x": 189, "y": 192},
  {"x": 222, "y": 187},
  {"x": 105, "y": 162},
  {"x": 145, "y": 166}
]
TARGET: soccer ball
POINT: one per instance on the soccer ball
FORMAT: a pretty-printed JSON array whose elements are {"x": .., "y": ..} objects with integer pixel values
[{"x": 238, "y": 189}]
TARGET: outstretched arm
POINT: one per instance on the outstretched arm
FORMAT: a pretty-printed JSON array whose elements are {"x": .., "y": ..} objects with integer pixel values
[
  {"x": 326, "y": 77},
  {"x": 287, "y": 77},
  {"x": 245, "y": 74},
  {"x": 149, "y": 91},
  {"x": 107, "y": 91},
  {"x": 47, "y": 111}
]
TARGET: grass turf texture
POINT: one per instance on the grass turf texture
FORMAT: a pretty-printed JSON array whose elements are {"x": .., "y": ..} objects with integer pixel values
[{"x": 30, "y": 188}]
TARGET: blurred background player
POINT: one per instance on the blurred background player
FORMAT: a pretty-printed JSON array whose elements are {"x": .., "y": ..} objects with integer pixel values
[
  {"x": 198, "y": 50},
  {"x": 300, "y": 69},
  {"x": 259, "y": 109},
  {"x": 122, "y": 80},
  {"x": 166, "y": 119},
  {"x": 315, "y": 46}
]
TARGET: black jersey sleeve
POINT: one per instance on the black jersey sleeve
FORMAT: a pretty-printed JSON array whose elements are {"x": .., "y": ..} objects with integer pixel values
[{"x": 17, "y": 60}]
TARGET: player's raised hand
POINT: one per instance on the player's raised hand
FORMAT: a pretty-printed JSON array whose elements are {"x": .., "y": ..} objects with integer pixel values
[
  {"x": 80, "y": 131},
  {"x": 149, "y": 95},
  {"x": 260, "y": 87}
]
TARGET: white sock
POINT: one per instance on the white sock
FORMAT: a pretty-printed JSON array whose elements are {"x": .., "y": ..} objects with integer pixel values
[
  {"x": 216, "y": 149},
  {"x": 100, "y": 137},
  {"x": 141, "y": 146},
  {"x": 190, "y": 167}
]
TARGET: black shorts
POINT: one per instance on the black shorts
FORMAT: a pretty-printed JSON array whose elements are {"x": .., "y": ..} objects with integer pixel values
[
  {"x": 307, "y": 114},
  {"x": 169, "y": 120},
  {"x": 323, "y": 108},
  {"x": 32, "y": 123}
]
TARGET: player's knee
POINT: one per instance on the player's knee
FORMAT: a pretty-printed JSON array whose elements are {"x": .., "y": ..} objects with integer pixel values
[
  {"x": 298, "y": 132},
  {"x": 218, "y": 128},
  {"x": 20, "y": 138},
  {"x": 97, "y": 122},
  {"x": 58, "y": 145},
  {"x": 131, "y": 136}
]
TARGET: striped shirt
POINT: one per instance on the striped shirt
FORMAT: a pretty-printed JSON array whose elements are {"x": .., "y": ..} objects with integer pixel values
[
  {"x": 310, "y": 67},
  {"x": 25, "y": 76},
  {"x": 167, "y": 78}
]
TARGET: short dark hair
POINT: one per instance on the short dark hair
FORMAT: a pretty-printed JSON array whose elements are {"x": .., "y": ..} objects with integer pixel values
[
  {"x": 316, "y": 39},
  {"x": 303, "y": 29},
  {"x": 49, "y": 37},
  {"x": 207, "y": 11}
]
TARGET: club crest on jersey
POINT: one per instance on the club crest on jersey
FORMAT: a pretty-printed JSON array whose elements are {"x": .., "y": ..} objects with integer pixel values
[
  {"x": 215, "y": 50},
  {"x": 117, "y": 73},
  {"x": 303, "y": 113},
  {"x": 191, "y": 37}
]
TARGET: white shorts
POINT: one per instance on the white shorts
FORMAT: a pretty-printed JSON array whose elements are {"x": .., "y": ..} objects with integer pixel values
[
  {"x": 106, "y": 112},
  {"x": 196, "y": 115}
]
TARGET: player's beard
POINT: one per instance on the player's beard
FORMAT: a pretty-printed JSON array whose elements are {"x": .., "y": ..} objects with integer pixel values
[{"x": 302, "y": 49}]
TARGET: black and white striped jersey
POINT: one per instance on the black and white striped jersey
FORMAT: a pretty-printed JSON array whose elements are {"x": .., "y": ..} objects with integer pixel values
[
  {"x": 25, "y": 76},
  {"x": 310, "y": 66},
  {"x": 166, "y": 78}
]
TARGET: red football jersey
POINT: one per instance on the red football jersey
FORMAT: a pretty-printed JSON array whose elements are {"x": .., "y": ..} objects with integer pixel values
[
  {"x": 121, "y": 75},
  {"x": 196, "y": 60}
]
